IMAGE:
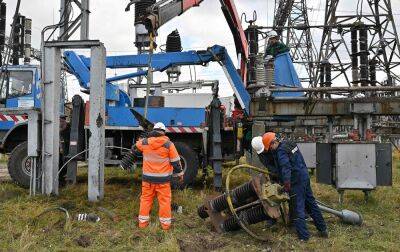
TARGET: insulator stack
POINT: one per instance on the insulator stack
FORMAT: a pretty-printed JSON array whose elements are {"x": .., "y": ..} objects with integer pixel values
[
  {"x": 128, "y": 161},
  {"x": 322, "y": 74},
  {"x": 174, "y": 43},
  {"x": 363, "y": 33},
  {"x": 326, "y": 74},
  {"x": 255, "y": 215},
  {"x": 240, "y": 196},
  {"x": 260, "y": 70},
  {"x": 3, "y": 12},
  {"x": 243, "y": 194},
  {"x": 230, "y": 225},
  {"x": 270, "y": 73},
  {"x": 252, "y": 38},
  {"x": 354, "y": 55},
  {"x": 140, "y": 9},
  {"x": 27, "y": 39},
  {"x": 251, "y": 216},
  {"x": 219, "y": 203},
  {"x": 372, "y": 71},
  {"x": 18, "y": 40}
]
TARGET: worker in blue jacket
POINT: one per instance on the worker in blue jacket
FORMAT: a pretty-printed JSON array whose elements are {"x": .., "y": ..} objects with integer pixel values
[{"x": 286, "y": 160}]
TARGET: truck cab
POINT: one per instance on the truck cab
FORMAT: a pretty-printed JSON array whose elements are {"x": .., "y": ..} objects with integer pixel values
[{"x": 20, "y": 89}]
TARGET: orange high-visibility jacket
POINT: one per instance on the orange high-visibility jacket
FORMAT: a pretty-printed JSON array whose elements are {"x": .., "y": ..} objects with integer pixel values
[{"x": 160, "y": 159}]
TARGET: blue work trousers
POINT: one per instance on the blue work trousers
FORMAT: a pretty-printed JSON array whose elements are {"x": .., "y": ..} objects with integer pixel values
[{"x": 305, "y": 202}]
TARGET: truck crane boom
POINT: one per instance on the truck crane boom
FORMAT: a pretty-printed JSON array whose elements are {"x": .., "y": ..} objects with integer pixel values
[
  {"x": 80, "y": 66},
  {"x": 163, "y": 11}
]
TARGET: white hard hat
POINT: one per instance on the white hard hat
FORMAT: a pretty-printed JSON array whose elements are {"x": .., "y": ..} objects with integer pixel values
[
  {"x": 272, "y": 34},
  {"x": 257, "y": 144},
  {"x": 159, "y": 126}
]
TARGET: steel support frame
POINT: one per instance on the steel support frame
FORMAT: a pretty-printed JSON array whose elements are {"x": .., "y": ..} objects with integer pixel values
[
  {"x": 68, "y": 27},
  {"x": 51, "y": 90},
  {"x": 325, "y": 107}
]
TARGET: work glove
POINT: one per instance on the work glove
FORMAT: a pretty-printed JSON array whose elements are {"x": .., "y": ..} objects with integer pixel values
[
  {"x": 286, "y": 186},
  {"x": 180, "y": 177}
]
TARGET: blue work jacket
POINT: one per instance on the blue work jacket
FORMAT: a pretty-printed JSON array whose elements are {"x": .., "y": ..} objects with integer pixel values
[{"x": 286, "y": 162}]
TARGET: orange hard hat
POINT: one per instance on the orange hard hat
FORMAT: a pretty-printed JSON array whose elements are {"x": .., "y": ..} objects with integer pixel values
[{"x": 267, "y": 139}]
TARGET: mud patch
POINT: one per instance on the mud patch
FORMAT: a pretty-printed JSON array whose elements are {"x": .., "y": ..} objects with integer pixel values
[
  {"x": 201, "y": 242},
  {"x": 6, "y": 195},
  {"x": 83, "y": 241}
]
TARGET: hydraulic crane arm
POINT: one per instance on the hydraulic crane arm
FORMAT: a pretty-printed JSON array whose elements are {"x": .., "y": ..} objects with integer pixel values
[
  {"x": 79, "y": 65},
  {"x": 163, "y": 11}
]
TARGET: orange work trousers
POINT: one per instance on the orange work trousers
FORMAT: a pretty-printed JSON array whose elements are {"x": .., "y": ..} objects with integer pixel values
[{"x": 163, "y": 193}]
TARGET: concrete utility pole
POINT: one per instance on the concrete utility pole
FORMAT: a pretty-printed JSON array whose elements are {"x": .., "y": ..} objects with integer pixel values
[
  {"x": 97, "y": 121},
  {"x": 51, "y": 89}
]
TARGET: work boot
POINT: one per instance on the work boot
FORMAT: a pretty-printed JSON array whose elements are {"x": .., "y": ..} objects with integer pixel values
[{"x": 323, "y": 234}]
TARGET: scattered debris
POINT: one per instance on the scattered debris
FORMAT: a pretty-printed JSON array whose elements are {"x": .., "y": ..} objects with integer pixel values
[
  {"x": 88, "y": 217},
  {"x": 176, "y": 208}
]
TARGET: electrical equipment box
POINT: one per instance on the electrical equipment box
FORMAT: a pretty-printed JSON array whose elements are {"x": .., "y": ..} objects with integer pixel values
[
  {"x": 309, "y": 152},
  {"x": 362, "y": 166}
]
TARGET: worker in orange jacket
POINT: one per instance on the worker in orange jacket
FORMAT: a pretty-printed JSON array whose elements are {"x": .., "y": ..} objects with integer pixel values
[{"x": 161, "y": 162}]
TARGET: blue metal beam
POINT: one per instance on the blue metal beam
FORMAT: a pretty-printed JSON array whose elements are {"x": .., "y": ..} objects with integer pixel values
[{"x": 127, "y": 76}]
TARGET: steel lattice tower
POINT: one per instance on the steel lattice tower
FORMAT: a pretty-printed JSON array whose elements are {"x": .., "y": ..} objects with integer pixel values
[
  {"x": 374, "y": 46},
  {"x": 291, "y": 21}
]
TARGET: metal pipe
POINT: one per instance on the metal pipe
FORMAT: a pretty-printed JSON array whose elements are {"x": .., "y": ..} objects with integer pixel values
[
  {"x": 257, "y": 202},
  {"x": 346, "y": 216}
]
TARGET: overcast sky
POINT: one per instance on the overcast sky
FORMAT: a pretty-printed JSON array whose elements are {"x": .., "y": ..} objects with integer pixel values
[{"x": 199, "y": 27}]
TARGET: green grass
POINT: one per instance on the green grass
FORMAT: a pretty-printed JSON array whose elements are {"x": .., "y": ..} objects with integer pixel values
[{"x": 21, "y": 230}]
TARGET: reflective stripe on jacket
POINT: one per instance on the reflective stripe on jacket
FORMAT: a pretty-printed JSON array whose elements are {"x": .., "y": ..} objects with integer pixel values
[{"x": 160, "y": 159}]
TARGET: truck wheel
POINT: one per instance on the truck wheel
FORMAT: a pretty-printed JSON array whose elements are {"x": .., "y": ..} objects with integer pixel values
[
  {"x": 19, "y": 165},
  {"x": 190, "y": 165}
]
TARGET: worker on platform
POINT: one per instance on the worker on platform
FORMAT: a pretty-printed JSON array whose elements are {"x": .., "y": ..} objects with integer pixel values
[
  {"x": 275, "y": 47},
  {"x": 286, "y": 160},
  {"x": 161, "y": 162}
]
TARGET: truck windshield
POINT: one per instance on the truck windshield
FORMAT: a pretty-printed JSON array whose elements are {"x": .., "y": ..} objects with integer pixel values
[{"x": 20, "y": 83}]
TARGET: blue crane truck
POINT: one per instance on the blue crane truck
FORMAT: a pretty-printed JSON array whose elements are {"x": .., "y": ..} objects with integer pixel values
[{"x": 188, "y": 128}]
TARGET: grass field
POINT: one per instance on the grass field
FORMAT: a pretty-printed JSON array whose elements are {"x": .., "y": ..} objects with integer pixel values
[{"x": 22, "y": 229}]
